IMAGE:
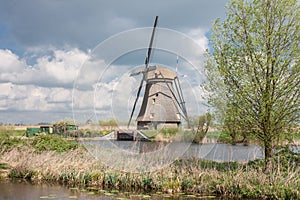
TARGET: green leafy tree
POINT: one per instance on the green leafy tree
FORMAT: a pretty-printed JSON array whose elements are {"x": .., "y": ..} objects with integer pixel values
[{"x": 253, "y": 74}]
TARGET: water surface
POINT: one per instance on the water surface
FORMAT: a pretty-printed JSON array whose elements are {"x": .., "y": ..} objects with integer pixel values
[{"x": 25, "y": 191}]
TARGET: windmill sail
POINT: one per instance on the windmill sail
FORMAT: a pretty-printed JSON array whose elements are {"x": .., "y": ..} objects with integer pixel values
[{"x": 146, "y": 67}]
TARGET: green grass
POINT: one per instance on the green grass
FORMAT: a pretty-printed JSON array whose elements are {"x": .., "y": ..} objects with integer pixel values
[
  {"x": 10, "y": 131},
  {"x": 16, "y": 132},
  {"x": 151, "y": 134}
]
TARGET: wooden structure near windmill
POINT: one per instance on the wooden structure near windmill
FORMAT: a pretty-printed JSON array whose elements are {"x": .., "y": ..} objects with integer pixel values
[{"x": 163, "y": 103}]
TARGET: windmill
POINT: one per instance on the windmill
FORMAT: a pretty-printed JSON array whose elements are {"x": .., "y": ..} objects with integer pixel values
[{"x": 163, "y": 102}]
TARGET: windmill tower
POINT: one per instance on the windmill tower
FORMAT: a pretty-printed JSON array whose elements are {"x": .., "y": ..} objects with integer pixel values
[{"x": 163, "y": 102}]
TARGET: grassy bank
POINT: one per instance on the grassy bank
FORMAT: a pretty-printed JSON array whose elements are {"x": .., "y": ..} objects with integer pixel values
[
  {"x": 10, "y": 130},
  {"x": 74, "y": 166}
]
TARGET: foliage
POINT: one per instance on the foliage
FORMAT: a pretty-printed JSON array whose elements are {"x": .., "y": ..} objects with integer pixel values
[
  {"x": 52, "y": 143},
  {"x": 204, "y": 122},
  {"x": 254, "y": 75}
]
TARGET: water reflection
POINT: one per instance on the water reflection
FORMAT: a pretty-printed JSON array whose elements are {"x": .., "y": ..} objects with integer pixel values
[
  {"x": 23, "y": 191},
  {"x": 214, "y": 152},
  {"x": 225, "y": 152}
]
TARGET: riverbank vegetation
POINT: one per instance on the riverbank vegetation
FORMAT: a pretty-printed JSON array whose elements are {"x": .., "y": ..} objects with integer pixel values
[{"x": 72, "y": 165}]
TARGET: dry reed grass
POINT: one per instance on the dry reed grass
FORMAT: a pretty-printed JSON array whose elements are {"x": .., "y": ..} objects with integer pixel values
[{"x": 78, "y": 167}]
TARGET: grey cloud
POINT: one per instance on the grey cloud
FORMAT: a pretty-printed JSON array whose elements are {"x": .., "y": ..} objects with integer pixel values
[{"x": 85, "y": 23}]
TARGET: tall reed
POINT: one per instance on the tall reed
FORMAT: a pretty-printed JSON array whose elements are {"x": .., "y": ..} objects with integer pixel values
[{"x": 77, "y": 167}]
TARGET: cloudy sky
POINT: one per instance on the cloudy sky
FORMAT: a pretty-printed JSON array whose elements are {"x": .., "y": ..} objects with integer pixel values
[{"x": 65, "y": 59}]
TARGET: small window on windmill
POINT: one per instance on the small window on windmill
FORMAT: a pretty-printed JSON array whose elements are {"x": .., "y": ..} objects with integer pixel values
[
  {"x": 178, "y": 115},
  {"x": 153, "y": 101},
  {"x": 156, "y": 94},
  {"x": 151, "y": 115}
]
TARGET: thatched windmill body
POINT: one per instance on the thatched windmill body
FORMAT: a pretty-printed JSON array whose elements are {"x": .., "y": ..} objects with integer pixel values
[{"x": 163, "y": 102}]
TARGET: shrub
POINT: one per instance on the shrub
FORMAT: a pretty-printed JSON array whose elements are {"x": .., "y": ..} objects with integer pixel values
[
  {"x": 52, "y": 143},
  {"x": 7, "y": 142}
]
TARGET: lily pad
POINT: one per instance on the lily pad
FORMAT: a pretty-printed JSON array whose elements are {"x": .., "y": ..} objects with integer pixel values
[
  {"x": 180, "y": 193},
  {"x": 92, "y": 188},
  {"x": 109, "y": 194},
  {"x": 92, "y": 193},
  {"x": 145, "y": 196},
  {"x": 207, "y": 197},
  {"x": 114, "y": 191},
  {"x": 190, "y": 195}
]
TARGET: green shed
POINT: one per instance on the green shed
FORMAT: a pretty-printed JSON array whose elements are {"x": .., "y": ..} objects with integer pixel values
[{"x": 32, "y": 131}]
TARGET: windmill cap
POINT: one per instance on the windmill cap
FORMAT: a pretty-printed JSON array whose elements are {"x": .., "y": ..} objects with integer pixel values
[{"x": 160, "y": 73}]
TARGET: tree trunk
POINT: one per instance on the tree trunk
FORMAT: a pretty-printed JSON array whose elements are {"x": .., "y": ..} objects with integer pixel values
[
  {"x": 268, "y": 150},
  {"x": 233, "y": 138},
  {"x": 269, "y": 153}
]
